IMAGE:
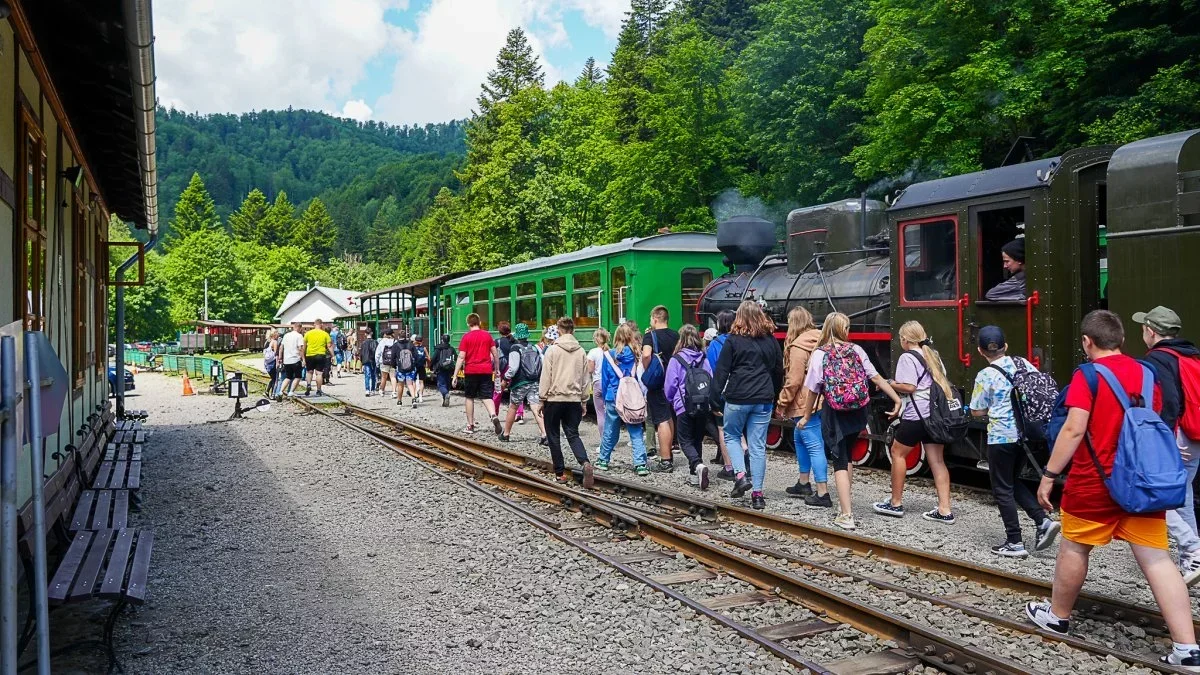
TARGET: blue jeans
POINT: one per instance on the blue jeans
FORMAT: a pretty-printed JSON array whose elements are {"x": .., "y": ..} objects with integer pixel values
[
  {"x": 370, "y": 377},
  {"x": 612, "y": 431},
  {"x": 1181, "y": 522},
  {"x": 749, "y": 421},
  {"x": 443, "y": 383},
  {"x": 810, "y": 450}
]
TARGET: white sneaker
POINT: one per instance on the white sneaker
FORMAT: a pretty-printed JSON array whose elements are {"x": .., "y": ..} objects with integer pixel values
[
  {"x": 694, "y": 479},
  {"x": 702, "y": 476},
  {"x": 1046, "y": 534},
  {"x": 420, "y": 398},
  {"x": 845, "y": 521},
  {"x": 1189, "y": 567}
]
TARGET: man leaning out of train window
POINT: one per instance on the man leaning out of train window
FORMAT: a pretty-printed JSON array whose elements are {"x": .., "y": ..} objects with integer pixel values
[{"x": 1011, "y": 289}]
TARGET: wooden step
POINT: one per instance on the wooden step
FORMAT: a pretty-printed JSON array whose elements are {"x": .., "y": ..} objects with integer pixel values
[{"x": 738, "y": 600}]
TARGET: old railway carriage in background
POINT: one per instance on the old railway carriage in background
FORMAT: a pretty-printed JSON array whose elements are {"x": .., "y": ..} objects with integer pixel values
[
  {"x": 1104, "y": 227},
  {"x": 597, "y": 286}
]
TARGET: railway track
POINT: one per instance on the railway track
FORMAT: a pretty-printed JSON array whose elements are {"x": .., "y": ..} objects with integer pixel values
[{"x": 774, "y": 570}]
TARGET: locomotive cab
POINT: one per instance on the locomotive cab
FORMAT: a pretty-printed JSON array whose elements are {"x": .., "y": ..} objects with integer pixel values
[{"x": 948, "y": 234}]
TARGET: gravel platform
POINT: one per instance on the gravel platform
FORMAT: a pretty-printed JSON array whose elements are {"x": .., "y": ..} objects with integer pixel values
[
  {"x": 1113, "y": 570},
  {"x": 284, "y": 544}
]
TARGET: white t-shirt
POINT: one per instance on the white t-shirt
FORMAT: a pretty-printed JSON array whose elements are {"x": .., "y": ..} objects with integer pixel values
[
  {"x": 293, "y": 347},
  {"x": 596, "y": 356}
]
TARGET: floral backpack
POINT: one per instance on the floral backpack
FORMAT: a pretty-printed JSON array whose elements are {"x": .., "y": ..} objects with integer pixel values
[{"x": 845, "y": 379}]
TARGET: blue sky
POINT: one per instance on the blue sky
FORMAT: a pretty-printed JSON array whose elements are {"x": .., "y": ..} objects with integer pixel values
[{"x": 399, "y": 61}]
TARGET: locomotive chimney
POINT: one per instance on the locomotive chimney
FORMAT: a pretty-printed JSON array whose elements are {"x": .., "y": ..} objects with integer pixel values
[{"x": 745, "y": 240}]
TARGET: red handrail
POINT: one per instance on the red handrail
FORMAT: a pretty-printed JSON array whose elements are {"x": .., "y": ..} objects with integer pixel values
[
  {"x": 963, "y": 355},
  {"x": 1031, "y": 302}
]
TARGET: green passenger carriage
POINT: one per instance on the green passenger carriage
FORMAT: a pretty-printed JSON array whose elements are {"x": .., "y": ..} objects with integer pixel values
[{"x": 598, "y": 286}]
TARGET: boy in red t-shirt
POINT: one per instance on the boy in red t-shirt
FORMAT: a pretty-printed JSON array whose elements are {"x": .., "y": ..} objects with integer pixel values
[
  {"x": 479, "y": 360},
  {"x": 1090, "y": 518}
]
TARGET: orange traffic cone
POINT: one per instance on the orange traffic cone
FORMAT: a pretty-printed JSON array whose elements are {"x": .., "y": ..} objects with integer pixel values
[
  {"x": 134, "y": 369},
  {"x": 187, "y": 386}
]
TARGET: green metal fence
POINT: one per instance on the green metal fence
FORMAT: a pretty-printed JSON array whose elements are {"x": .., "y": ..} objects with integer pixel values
[
  {"x": 193, "y": 366},
  {"x": 137, "y": 357}
]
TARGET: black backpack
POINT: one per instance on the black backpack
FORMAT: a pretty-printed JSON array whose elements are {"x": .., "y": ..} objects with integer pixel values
[
  {"x": 947, "y": 421},
  {"x": 530, "y": 369},
  {"x": 697, "y": 387},
  {"x": 506, "y": 345},
  {"x": 1033, "y": 395},
  {"x": 446, "y": 359},
  {"x": 341, "y": 341},
  {"x": 389, "y": 355}
]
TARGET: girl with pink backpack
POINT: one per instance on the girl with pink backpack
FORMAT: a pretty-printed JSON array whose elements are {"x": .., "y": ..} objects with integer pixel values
[{"x": 624, "y": 400}]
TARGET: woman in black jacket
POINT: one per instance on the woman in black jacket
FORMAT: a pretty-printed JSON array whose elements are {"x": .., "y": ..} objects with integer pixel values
[{"x": 749, "y": 376}]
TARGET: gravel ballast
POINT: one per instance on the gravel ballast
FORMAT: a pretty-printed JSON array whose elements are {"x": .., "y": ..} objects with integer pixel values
[{"x": 285, "y": 543}]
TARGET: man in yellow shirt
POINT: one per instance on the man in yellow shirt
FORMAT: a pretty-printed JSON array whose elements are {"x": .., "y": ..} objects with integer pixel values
[{"x": 318, "y": 349}]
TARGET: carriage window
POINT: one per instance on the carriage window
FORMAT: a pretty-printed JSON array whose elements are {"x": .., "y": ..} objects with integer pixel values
[
  {"x": 527, "y": 304},
  {"x": 462, "y": 299},
  {"x": 502, "y": 308},
  {"x": 618, "y": 290},
  {"x": 586, "y": 298},
  {"x": 554, "y": 300},
  {"x": 997, "y": 227},
  {"x": 693, "y": 282},
  {"x": 930, "y": 260},
  {"x": 481, "y": 307},
  {"x": 527, "y": 288}
]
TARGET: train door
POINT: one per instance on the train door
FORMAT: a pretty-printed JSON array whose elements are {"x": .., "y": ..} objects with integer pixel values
[{"x": 991, "y": 227}]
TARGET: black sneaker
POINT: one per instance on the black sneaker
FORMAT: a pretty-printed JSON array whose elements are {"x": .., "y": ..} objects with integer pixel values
[
  {"x": 1191, "y": 662},
  {"x": 1047, "y": 532},
  {"x": 504, "y": 437},
  {"x": 445, "y": 401},
  {"x": 1039, "y": 614},
  {"x": 819, "y": 501},
  {"x": 740, "y": 486},
  {"x": 886, "y": 509},
  {"x": 726, "y": 474},
  {"x": 937, "y": 517},
  {"x": 757, "y": 501},
  {"x": 543, "y": 441},
  {"x": 1011, "y": 550},
  {"x": 799, "y": 490},
  {"x": 496, "y": 425},
  {"x": 662, "y": 465}
]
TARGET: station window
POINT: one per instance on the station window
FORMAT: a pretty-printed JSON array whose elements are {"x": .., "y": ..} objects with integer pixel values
[
  {"x": 554, "y": 300},
  {"x": 481, "y": 307},
  {"x": 930, "y": 260},
  {"x": 586, "y": 298},
  {"x": 502, "y": 306},
  {"x": 618, "y": 290},
  {"x": 527, "y": 303},
  {"x": 692, "y": 282},
  {"x": 997, "y": 227},
  {"x": 30, "y": 290}
]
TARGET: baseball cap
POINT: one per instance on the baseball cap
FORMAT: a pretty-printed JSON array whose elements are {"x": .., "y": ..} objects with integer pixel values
[
  {"x": 1161, "y": 320},
  {"x": 419, "y": 338},
  {"x": 710, "y": 334},
  {"x": 991, "y": 338}
]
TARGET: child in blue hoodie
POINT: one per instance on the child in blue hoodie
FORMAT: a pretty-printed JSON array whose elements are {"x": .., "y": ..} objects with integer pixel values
[
  {"x": 690, "y": 428},
  {"x": 623, "y": 355}
]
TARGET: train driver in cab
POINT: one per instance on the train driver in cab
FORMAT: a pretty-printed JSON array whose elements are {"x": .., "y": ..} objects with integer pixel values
[{"x": 1011, "y": 289}]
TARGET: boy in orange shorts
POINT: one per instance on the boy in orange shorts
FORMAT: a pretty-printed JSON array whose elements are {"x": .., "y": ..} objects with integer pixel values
[{"x": 1089, "y": 516}]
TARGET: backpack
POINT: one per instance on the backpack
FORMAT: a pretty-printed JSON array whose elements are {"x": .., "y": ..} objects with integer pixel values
[
  {"x": 655, "y": 374},
  {"x": 446, "y": 360},
  {"x": 1147, "y": 474},
  {"x": 530, "y": 369},
  {"x": 1189, "y": 392},
  {"x": 630, "y": 401},
  {"x": 341, "y": 342},
  {"x": 947, "y": 421},
  {"x": 1034, "y": 397},
  {"x": 697, "y": 387},
  {"x": 389, "y": 355},
  {"x": 844, "y": 378},
  {"x": 404, "y": 358},
  {"x": 505, "y": 345}
]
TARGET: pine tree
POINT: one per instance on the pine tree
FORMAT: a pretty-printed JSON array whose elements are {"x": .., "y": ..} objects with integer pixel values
[
  {"x": 195, "y": 211},
  {"x": 381, "y": 238},
  {"x": 591, "y": 76},
  {"x": 246, "y": 222},
  {"x": 315, "y": 232},
  {"x": 275, "y": 229},
  {"x": 517, "y": 68}
]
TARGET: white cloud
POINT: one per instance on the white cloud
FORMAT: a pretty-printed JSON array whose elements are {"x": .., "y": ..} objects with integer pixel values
[
  {"x": 239, "y": 55},
  {"x": 357, "y": 110}
]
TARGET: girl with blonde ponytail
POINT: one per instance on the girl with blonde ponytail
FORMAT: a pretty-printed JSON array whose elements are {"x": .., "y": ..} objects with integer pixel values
[{"x": 918, "y": 369}]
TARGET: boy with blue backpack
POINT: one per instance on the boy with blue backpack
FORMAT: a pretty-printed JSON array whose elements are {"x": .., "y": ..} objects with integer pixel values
[{"x": 1112, "y": 403}]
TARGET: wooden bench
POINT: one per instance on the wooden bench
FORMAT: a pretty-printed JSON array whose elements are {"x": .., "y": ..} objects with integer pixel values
[
  {"x": 118, "y": 475},
  {"x": 103, "y": 557}
]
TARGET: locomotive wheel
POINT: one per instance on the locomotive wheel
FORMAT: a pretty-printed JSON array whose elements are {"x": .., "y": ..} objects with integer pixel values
[
  {"x": 775, "y": 437},
  {"x": 862, "y": 451},
  {"x": 915, "y": 460}
]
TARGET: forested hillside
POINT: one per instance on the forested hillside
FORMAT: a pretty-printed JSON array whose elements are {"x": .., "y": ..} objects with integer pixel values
[{"x": 704, "y": 103}]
